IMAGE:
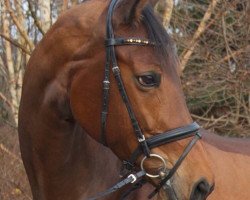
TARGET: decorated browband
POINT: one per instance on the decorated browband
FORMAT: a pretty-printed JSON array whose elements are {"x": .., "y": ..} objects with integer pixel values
[{"x": 127, "y": 41}]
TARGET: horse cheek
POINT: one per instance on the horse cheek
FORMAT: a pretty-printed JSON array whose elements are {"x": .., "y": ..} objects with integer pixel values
[{"x": 85, "y": 102}]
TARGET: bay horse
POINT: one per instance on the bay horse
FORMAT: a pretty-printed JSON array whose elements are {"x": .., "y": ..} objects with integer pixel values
[{"x": 72, "y": 108}]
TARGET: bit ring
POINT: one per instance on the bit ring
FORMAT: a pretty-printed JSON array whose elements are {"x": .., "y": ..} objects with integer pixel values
[{"x": 159, "y": 158}]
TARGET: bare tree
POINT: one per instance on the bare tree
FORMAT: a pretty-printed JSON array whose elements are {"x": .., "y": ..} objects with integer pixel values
[
  {"x": 165, "y": 8},
  {"x": 10, "y": 64},
  {"x": 45, "y": 14},
  {"x": 65, "y": 5},
  {"x": 74, "y": 2},
  {"x": 202, "y": 27}
]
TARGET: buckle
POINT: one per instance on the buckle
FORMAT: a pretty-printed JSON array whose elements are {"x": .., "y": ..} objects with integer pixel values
[
  {"x": 133, "y": 178},
  {"x": 115, "y": 69},
  {"x": 141, "y": 139},
  {"x": 106, "y": 82}
]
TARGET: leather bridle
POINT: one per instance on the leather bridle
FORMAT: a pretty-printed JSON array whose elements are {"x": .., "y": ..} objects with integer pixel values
[{"x": 145, "y": 144}]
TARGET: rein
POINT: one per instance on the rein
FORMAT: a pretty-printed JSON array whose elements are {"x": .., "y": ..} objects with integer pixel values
[{"x": 144, "y": 144}]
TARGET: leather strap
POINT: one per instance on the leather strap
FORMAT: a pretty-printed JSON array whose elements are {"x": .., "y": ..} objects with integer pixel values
[
  {"x": 127, "y": 41},
  {"x": 177, "y": 164},
  {"x": 144, "y": 144},
  {"x": 161, "y": 139},
  {"x": 137, "y": 130},
  {"x": 135, "y": 187},
  {"x": 106, "y": 82},
  {"x": 130, "y": 179},
  {"x": 173, "y": 135},
  {"x": 111, "y": 41}
]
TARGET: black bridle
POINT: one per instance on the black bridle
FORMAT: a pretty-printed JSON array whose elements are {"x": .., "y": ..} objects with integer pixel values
[{"x": 145, "y": 144}]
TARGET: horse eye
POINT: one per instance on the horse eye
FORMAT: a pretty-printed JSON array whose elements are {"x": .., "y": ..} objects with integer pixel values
[{"x": 149, "y": 80}]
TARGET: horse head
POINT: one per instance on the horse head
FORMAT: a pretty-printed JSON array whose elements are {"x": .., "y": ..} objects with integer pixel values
[{"x": 143, "y": 95}]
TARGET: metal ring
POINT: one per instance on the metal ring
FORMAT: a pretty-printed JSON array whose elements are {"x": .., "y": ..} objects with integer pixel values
[{"x": 154, "y": 156}]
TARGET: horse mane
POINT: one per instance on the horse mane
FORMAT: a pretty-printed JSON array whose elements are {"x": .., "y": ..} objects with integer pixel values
[
  {"x": 157, "y": 33},
  {"x": 228, "y": 144}
]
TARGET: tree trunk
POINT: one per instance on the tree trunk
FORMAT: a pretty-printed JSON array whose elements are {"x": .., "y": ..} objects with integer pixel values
[
  {"x": 185, "y": 56},
  {"x": 62, "y": 6},
  {"x": 19, "y": 54},
  {"x": 74, "y": 2},
  {"x": 165, "y": 7},
  {"x": 65, "y": 5},
  {"x": 10, "y": 66},
  {"x": 45, "y": 14}
]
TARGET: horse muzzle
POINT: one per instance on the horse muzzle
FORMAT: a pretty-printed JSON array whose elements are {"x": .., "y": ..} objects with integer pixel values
[{"x": 200, "y": 191}]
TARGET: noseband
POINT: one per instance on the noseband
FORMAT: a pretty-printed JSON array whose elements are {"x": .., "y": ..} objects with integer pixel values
[{"x": 144, "y": 144}]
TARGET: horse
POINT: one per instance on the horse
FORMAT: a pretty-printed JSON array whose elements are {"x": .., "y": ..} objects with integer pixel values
[{"x": 103, "y": 86}]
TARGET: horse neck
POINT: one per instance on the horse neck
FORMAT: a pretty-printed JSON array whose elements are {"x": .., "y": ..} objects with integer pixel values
[
  {"x": 226, "y": 144},
  {"x": 102, "y": 169},
  {"x": 97, "y": 167},
  {"x": 97, "y": 157},
  {"x": 230, "y": 161}
]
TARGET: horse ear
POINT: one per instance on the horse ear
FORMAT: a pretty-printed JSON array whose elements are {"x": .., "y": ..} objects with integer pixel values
[{"x": 130, "y": 11}]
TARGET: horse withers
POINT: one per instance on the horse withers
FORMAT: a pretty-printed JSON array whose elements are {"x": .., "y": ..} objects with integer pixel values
[{"x": 106, "y": 73}]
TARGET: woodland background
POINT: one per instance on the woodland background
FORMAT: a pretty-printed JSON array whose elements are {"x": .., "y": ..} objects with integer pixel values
[{"x": 213, "y": 42}]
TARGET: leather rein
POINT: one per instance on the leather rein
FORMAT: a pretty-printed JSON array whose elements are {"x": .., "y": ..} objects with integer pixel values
[{"x": 130, "y": 172}]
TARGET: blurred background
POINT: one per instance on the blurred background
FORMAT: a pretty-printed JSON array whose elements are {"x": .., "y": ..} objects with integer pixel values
[{"x": 213, "y": 42}]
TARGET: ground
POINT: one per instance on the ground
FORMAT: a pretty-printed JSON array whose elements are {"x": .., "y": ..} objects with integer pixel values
[{"x": 13, "y": 181}]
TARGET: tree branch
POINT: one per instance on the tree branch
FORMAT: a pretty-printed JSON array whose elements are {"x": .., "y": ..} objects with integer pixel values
[
  {"x": 36, "y": 21},
  {"x": 74, "y": 2},
  {"x": 228, "y": 49},
  {"x": 4, "y": 98},
  {"x": 12, "y": 155},
  {"x": 165, "y": 7},
  {"x": 18, "y": 25},
  {"x": 15, "y": 44},
  {"x": 202, "y": 27},
  {"x": 45, "y": 14},
  {"x": 235, "y": 53},
  {"x": 65, "y": 5}
]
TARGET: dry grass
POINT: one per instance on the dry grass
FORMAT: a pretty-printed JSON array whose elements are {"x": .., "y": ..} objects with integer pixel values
[{"x": 13, "y": 181}]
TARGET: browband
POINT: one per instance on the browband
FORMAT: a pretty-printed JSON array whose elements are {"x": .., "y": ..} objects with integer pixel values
[{"x": 127, "y": 41}]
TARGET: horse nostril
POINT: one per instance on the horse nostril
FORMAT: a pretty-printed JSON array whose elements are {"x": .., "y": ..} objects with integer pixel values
[{"x": 201, "y": 190}]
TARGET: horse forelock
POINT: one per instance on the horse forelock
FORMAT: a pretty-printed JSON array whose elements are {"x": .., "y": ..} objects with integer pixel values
[{"x": 157, "y": 33}]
